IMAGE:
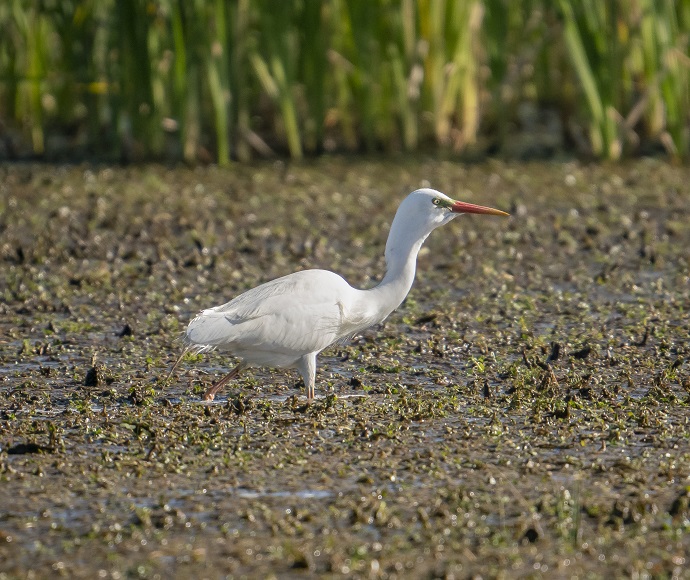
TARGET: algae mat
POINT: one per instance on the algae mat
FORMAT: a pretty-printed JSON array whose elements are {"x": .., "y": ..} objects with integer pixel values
[{"x": 523, "y": 414}]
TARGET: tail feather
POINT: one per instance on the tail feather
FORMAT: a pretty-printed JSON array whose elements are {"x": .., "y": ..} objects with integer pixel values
[
  {"x": 190, "y": 346},
  {"x": 207, "y": 331}
]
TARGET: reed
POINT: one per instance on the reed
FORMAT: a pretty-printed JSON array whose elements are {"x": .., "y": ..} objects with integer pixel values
[{"x": 229, "y": 79}]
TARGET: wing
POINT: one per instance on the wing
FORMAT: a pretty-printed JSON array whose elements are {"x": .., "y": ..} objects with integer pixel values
[{"x": 291, "y": 316}]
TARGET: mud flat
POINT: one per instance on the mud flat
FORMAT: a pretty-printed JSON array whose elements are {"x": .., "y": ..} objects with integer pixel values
[{"x": 524, "y": 414}]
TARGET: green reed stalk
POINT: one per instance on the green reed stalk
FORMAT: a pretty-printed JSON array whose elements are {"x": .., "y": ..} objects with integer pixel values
[
  {"x": 134, "y": 100},
  {"x": 158, "y": 45},
  {"x": 465, "y": 59},
  {"x": 37, "y": 60},
  {"x": 191, "y": 47},
  {"x": 312, "y": 69},
  {"x": 275, "y": 65},
  {"x": 587, "y": 36},
  {"x": 667, "y": 74},
  {"x": 362, "y": 48},
  {"x": 9, "y": 62},
  {"x": 219, "y": 82},
  {"x": 240, "y": 78},
  {"x": 342, "y": 114},
  {"x": 33, "y": 30},
  {"x": 431, "y": 17}
]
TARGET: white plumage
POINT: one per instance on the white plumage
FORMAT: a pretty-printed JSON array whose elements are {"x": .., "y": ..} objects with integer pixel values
[{"x": 288, "y": 321}]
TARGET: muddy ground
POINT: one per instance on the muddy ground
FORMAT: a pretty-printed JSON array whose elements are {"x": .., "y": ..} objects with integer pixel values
[{"x": 523, "y": 414}]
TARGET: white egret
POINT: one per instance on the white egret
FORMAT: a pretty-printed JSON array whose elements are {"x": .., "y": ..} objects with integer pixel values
[{"x": 287, "y": 322}]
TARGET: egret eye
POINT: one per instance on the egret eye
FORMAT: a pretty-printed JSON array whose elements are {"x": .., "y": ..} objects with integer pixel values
[{"x": 440, "y": 203}]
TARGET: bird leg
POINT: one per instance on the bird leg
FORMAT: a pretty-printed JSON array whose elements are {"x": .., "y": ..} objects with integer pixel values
[
  {"x": 307, "y": 368},
  {"x": 210, "y": 394},
  {"x": 177, "y": 362}
]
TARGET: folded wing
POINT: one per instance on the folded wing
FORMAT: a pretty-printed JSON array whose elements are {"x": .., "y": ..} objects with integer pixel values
[{"x": 280, "y": 320}]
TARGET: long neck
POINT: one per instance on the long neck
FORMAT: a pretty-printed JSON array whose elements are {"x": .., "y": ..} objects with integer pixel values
[{"x": 401, "y": 264}]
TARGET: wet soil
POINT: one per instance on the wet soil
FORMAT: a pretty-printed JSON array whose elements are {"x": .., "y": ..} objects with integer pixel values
[{"x": 523, "y": 414}]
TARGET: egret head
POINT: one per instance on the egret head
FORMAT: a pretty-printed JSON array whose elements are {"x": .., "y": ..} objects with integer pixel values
[
  {"x": 428, "y": 209},
  {"x": 421, "y": 213}
]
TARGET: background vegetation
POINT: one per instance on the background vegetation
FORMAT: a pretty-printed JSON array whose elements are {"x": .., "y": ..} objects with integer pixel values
[{"x": 223, "y": 79}]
